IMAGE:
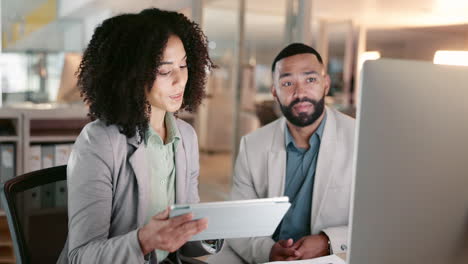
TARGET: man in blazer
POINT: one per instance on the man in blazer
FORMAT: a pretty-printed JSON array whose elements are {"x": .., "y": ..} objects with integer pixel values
[{"x": 306, "y": 155}]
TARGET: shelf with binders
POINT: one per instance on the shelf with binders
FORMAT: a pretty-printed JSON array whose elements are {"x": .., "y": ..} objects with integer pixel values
[
  {"x": 50, "y": 196},
  {"x": 45, "y": 127},
  {"x": 10, "y": 144},
  {"x": 10, "y": 166},
  {"x": 49, "y": 135},
  {"x": 34, "y": 138},
  {"x": 21, "y": 127}
]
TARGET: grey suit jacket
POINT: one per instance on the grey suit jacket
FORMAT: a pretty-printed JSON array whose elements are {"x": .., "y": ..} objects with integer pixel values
[
  {"x": 109, "y": 190},
  {"x": 260, "y": 172}
]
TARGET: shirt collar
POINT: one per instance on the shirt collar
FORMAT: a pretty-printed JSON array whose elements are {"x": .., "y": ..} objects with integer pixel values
[
  {"x": 172, "y": 132},
  {"x": 318, "y": 133}
]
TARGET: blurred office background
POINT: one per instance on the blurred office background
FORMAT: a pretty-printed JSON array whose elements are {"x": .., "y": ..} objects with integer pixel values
[{"x": 42, "y": 42}]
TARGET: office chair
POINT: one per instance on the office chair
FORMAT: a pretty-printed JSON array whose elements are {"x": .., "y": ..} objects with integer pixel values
[{"x": 32, "y": 214}]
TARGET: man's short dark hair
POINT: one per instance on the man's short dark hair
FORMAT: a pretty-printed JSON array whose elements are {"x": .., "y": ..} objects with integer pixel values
[{"x": 294, "y": 49}]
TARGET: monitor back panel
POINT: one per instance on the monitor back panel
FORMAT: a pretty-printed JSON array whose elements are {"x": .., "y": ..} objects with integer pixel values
[{"x": 410, "y": 191}]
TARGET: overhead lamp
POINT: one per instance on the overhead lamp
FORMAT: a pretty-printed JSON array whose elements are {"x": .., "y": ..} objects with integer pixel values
[
  {"x": 451, "y": 57},
  {"x": 370, "y": 55}
]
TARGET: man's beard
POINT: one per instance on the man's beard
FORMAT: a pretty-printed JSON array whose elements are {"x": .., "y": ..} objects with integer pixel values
[{"x": 303, "y": 119}]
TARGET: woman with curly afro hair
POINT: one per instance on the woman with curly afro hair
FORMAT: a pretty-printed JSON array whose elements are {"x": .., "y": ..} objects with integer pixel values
[{"x": 137, "y": 158}]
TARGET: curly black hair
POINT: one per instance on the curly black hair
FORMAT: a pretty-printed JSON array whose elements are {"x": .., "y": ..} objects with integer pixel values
[{"x": 122, "y": 60}]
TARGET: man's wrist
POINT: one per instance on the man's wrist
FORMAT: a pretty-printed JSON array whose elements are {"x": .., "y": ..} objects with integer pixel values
[{"x": 328, "y": 242}]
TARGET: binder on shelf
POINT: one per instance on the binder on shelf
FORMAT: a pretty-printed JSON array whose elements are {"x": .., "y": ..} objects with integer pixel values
[
  {"x": 7, "y": 162},
  {"x": 33, "y": 196},
  {"x": 48, "y": 190},
  {"x": 62, "y": 153}
]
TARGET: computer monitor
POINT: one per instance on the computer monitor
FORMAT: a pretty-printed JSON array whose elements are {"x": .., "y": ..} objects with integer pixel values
[{"x": 410, "y": 191}]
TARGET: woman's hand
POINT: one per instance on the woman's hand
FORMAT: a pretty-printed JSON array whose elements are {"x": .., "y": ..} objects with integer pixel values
[{"x": 169, "y": 234}]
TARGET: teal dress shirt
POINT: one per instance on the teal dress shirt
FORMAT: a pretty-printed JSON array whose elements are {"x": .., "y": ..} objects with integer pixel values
[{"x": 300, "y": 174}]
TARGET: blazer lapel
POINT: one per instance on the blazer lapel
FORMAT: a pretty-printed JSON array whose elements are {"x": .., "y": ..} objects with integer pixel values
[
  {"x": 181, "y": 173},
  {"x": 138, "y": 162},
  {"x": 181, "y": 170},
  {"x": 323, "y": 172},
  {"x": 277, "y": 162}
]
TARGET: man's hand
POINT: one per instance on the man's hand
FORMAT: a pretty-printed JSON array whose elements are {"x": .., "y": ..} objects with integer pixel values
[
  {"x": 169, "y": 234},
  {"x": 282, "y": 250},
  {"x": 312, "y": 246}
]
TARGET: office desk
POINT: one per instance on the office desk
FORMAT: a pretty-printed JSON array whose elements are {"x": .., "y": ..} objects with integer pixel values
[{"x": 341, "y": 255}]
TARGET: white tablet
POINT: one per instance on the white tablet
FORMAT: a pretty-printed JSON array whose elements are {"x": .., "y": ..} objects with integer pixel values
[{"x": 236, "y": 219}]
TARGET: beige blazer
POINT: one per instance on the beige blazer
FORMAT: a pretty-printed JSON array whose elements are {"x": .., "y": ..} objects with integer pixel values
[
  {"x": 108, "y": 193},
  {"x": 260, "y": 172}
]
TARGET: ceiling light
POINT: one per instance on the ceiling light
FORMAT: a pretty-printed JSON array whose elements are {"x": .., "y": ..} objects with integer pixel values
[
  {"x": 451, "y": 57},
  {"x": 370, "y": 55}
]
